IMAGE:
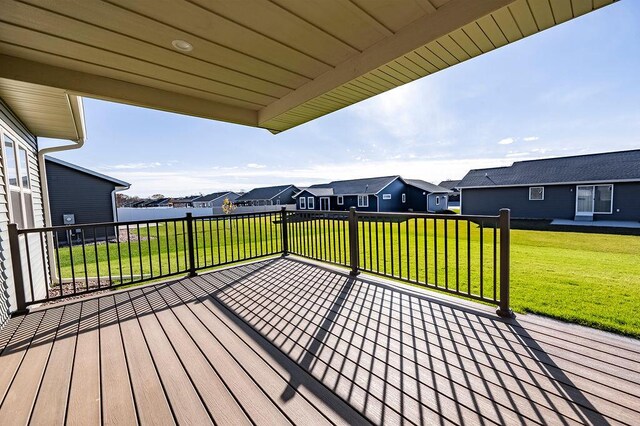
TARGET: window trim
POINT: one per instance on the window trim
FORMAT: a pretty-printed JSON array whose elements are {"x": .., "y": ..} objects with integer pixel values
[
  {"x": 18, "y": 144},
  {"x": 386, "y": 196},
  {"x": 311, "y": 203},
  {"x": 363, "y": 197},
  {"x": 593, "y": 209},
  {"x": 404, "y": 197},
  {"x": 303, "y": 203},
  {"x": 340, "y": 200},
  {"x": 542, "y": 193},
  {"x": 437, "y": 200}
]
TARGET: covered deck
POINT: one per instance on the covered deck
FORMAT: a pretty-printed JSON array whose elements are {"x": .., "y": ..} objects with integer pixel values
[{"x": 284, "y": 341}]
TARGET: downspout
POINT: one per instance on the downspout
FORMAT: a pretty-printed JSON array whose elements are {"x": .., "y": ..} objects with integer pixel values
[{"x": 75, "y": 104}]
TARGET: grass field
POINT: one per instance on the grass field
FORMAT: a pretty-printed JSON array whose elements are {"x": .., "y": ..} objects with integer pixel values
[{"x": 591, "y": 279}]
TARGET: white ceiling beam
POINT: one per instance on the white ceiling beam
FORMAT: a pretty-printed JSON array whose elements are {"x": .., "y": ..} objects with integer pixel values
[
  {"x": 95, "y": 86},
  {"x": 453, "y": 15}
]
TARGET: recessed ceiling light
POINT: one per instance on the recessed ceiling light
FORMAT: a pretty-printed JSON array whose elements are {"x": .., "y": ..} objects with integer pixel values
[{"x": 181, "y": 45}]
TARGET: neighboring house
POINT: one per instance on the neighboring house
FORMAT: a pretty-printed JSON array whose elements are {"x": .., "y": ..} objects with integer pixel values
[
  {"x": 268, "y": 196},
  {"x": 586, "y": 187},
  {"x": 92, "y": 199},
  {"x": 377, "y": 194},
  {"x": 214, "y": 200},
  {"x": 29, "y": 111},
  {"x": 452, "y": 185},
  {"x": 184, "y": 201}
]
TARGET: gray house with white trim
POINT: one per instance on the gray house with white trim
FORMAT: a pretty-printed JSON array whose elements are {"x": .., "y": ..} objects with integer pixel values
[
  {"x": 215, "y": 199},
  {"x": 602, "y": 186}
]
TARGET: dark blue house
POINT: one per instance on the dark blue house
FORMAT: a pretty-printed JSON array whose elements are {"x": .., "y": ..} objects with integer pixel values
[
  {"x": 268, "y": 196},
  {"x": 377, "y": 194},
  {"x": 586, "y": 187}
]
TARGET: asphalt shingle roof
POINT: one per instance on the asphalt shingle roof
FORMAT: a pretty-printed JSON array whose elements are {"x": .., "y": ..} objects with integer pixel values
[
  {"x": 212, "y": 196},
  {"x": 449, "y": 184},
  {"x": 264, "y": 193},
  {"x": 426, "y": 186},
  {"x": 610, "y": 166},
  {"x": 355, "y": 186}
]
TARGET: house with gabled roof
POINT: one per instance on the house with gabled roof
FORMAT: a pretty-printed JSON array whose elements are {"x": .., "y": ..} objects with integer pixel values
[
  {"x": 268, "y": 196},
  {"x": 215, "y": 199},
  {"x": 376, "y": 194},
  {"x": 604, "y": 186}
]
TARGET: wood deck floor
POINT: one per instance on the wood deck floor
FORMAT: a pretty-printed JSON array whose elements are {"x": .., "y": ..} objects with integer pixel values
[{"x": 284, "y": 341}]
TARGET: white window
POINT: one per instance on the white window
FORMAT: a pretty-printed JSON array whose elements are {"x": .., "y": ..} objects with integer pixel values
[
  {"x": 303, "y": 203},
  {"x": 536, "y": 193},
  {"x": 363, "y": 201},
  {"x": 340, "y": 200},
  {"x": 386, "y": 196},
  {"x": 17, "y": 171},
  {"x": 311, "y": 203},
  {"x": 437, "y": 201},
  {"x": 278, "y": 202},
  {"x": 404, "y": 198},
  {"x": 592, "y": 199}
]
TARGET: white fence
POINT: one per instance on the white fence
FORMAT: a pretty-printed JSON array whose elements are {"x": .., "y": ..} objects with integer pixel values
[{"x": 129, "y": 214}]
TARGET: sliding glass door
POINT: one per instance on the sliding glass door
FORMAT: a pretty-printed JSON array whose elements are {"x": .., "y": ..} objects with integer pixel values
[{"x": 592, "y": 199}]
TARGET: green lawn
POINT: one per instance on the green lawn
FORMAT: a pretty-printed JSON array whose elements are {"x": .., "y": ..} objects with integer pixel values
[{"x": 591, "y": 279}]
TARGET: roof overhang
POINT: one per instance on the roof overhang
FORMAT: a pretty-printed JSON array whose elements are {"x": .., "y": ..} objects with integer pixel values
[
  {"x": 273, "y": 64},
  {"x": 45, "y": 111}
]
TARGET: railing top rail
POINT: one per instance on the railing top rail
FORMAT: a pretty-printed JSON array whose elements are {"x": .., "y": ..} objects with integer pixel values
[
  {"x": 427, "y": 215},
  {"x": 139, "y": 222}
]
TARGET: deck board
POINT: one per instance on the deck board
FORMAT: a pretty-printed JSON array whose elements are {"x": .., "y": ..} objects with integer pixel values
[{"x": 285, "y": 341}]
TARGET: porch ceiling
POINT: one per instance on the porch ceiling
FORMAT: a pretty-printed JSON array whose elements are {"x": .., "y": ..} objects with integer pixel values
[{"x": 273, "y": 64}]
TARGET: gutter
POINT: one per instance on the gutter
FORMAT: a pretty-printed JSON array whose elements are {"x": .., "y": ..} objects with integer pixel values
[{"x": 75, "y": 104}]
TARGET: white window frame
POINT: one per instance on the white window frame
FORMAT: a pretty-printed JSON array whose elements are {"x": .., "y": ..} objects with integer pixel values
[
  {"x": 386, "y": 196},
  {"x": 311, "y": 203},
  {"x": 593, "y": 210},
  {"x": 366, "y": 201},
  {"x": 18, "y": 144},
  {"x": 340, "y": 200},
  {"x": 303, "y": 203},
  {"x": 404, "y": 197},
  {"x": 437, "y": 200},
  {"x": 536, "y": 187}
]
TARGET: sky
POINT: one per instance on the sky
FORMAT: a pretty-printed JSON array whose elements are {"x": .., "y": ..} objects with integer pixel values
[{"x": 573, "y": 89}]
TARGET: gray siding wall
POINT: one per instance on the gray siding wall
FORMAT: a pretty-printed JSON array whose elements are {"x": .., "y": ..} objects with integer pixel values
[
  {"x": 86, "y": 196},
  {"x": 416, "y": 199},
  {"x": 11, "y": 126},
  {"x": 395, "y": 204},
  {"x": 434, "y": 206},
  {"x": 559, "y": 202},
  {"x": 286, "y": 197}
]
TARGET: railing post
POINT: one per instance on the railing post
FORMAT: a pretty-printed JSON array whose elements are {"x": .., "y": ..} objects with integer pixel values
[
  {"x": 16, "y": 263},
  {"x": 354, "y": 250},
  {"x": 191, "y": 246},
  {"x": 505, "y": 262},
  {"x": 285, "y": 231}
]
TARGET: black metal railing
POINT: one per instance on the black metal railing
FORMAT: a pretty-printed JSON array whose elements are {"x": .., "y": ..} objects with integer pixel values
[
  {"x": 80, "y": 259},
  {"x": 463, "y": 255}
]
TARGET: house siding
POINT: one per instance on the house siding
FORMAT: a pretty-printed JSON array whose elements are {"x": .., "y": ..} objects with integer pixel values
[
  {"x": 90, "y": 201},
  {"x": 432, "y": 202},
  {"x": 395, "y": 204},
  {"x": 559, "y": 202},
  {"x": 11, "y": 126},
  {"x": 416, "y": 199},
  {"x": 286, "y": 197}
]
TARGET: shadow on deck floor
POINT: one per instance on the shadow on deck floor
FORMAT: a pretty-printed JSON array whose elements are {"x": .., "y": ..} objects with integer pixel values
[{"x": 286, "y": 341}]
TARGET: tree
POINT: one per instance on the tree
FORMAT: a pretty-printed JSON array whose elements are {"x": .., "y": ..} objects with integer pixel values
[
  {"x": 157, "y": 196},
  {"x": 228, "y": 207},
  {"x": 122, "y": 199}
]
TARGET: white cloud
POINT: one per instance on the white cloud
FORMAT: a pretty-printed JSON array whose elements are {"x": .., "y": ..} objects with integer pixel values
[
  {"x": 132, "y": 166},
  {"x": 506, "y": 141},
  {"x": 256, "y": 166},
  {"x": 530, "y": 138}
]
